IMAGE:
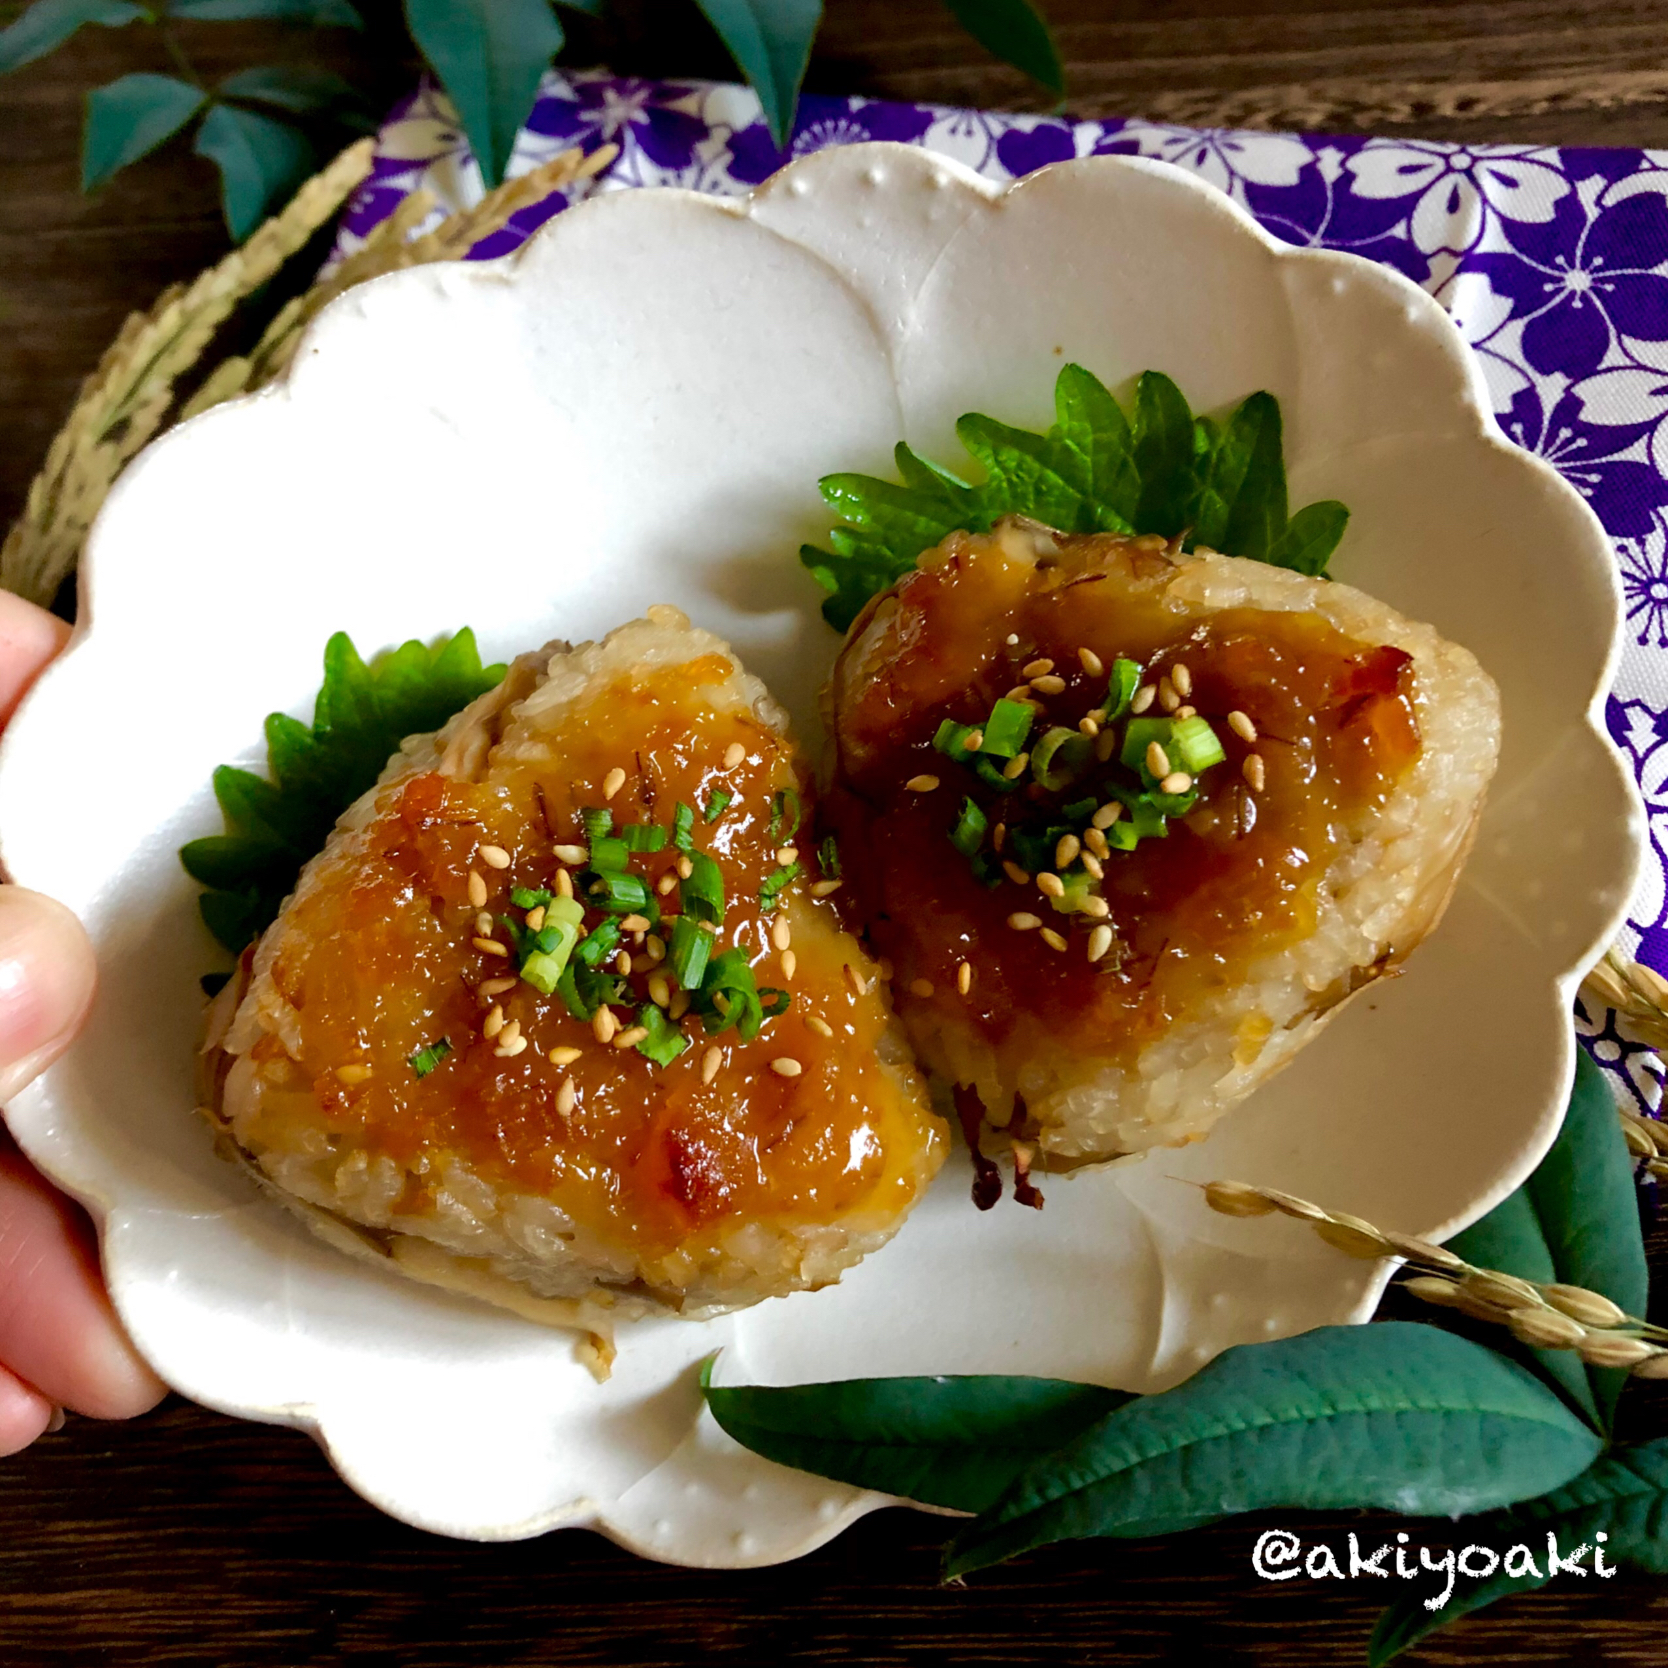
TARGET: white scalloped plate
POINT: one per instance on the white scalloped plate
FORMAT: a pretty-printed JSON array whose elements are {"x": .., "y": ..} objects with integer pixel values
[{"x": 636, "y": 409}]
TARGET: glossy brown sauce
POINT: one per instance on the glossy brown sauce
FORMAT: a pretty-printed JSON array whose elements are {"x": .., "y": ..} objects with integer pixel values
[
  {"x": 378, "y": 962},
  {"x": 1234, "y": 879}
]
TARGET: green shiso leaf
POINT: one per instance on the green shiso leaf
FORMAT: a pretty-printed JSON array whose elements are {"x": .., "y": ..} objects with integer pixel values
[
  {"x": 361, "y": 715},
  {"x": 1396, "y": 1415},
  {"x": 1163, "y": 471},
  {"x": 956, "y": 1442}
]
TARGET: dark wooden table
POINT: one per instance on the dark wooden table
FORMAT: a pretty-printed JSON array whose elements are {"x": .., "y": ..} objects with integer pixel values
[{"x": 187, "y": 1538}]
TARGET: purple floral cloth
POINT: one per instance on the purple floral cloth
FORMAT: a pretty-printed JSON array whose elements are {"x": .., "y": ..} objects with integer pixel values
[{"x": 1553, "y": 262}]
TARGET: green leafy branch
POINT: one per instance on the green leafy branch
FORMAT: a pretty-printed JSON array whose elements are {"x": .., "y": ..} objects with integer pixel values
[
  {"x": 1443, "y": 1419},
  {"x": 258, "y": 125},
  {"x": 1159, "y": 470}
]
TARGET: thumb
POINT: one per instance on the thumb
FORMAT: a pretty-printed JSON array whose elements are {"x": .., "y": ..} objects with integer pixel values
[{"x": 46, "y": 984}]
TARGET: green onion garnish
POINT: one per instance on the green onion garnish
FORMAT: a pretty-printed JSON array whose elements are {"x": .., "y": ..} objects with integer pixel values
[
  {"x": 715, "y": 805},
  {"x": 1193, "y": 745},
  {"x": 969, "y": 833},
  {"x": 641, "y": 836},
  {"x": 610, "y": 856},
  {"x": 730, "y": 996},
  {"x": 771, "y": 891},
  {"x": 951, "y": 740},
  {"x": 426, "y": 1059},
  {"x": 774, "y": 1003},
  {"x": 567, "y": 988},
  {"x": 1007, "y": 727},
  {"x": 702, "y": 894},
  {"x": 665, "y": 1042},
  {"x": 683, "y": 823},
  {"x": 688, "y": 950},
  {"x": 546, "y": 952},
  {"x": 524, "y": 897},
  {"x": 1139, "y": 735},
  {"x": 599, "y": 822},
  {"x": 1120, "y": 690},
  {"x": 1123, "y": 836},
  {"x": 1060, "y": 756},
  {"x": 622, "y": 894},
  {"x": 1078, "y": 888},
  {"x": 828, "y": 858},
  {"x": 784, "y": 815},
  {"x": 599, "y": 943}
]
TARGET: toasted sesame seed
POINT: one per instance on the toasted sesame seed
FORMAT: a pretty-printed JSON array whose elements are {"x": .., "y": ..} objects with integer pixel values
[
  {"x": 1185, "y": 711},
  {"x": 1178, "y": 781},
  {"x": 1065, "y": 853},
  {"x": 570, "y": 854},
  {"x": 922, "y": 783},
  {"x": 1013, "y": 638},
  {"x": 819, "y": 1025},
  {"x": 1158, "y": 761},
  {"x": 1096, "y": 842},
  {"x": 679, "y": 1004},
  {"x": 660, "y": 990},
  {"x": 567, "y": 1097},
  {"x": 631, "y": 1036},
  {"x": 635, "y": 923},
  {"x": 710, "y": 1062},
  {"x": 1092, "y": 866},
  {"x": 1049, "y": 685},
  {"x": 1052, "y": 939},
  {"x": 564, "y": 884},
  {"x": 512, "y": 1030},
  {"x": 352, "y": 1074},
  {"x": 484, "y": 924},
  {"x": 508, "y": 1047},
  {"x": 1108, "y": 813},
  {"x": 490, "y": 947},
  {"x": 822, "y": 888},
  {"x": 781, "y": 934},
  {"x": 1097, "y": 908},
  {"x": 493, "y": 1023},
  {"x": 666, "y": 882},
  {"x": 859, "y": 985},
  {"x": 1014, "y": 873},
  {"x": 488, "y": 988},
  {"x": 1088, "y": 725},
  {"x": 1015, "y": 767},
  {"x": 786, "y": 855},
  {"x": 565, "y": 1056},
  {"x": 685, "y": 867},
  {"x": 1051, "y": 885},
  {"x": 975, "y": 740},
  {"x": 789, "y": 963},
  {"x": 1106, "y": 744},
  {"x": 733, "y": 755},
  {"x": 1019, "y": 692},
  {"x": 623, "y": 961},
  {"x": 920, "y": 987},
  {"x": 964, "y": 977},
  {"x": 1253, "y": 768},
  {"x": 613, "y": 782},
  {"x": 1022, "y": 921},
  {"x": 654, "y": 947},
  {"x": 1143, "y": 698},
  {"x": 784, "y": 1065},
  {"x": 604, "y": 1025},
  {"x": 1240, "y": 723},
  {"x": 1182, "y": 679},
  {"x": 1090, "y": 662},
  {"x": 1100, "y": 941},
  {"x": 477, "y": 891},
  {"x": 998, "y": 836},
  {"x": 535, "y": 918},
  {"x": 1037, "y": 669},
  {"x": 495, "y": 857},
  {"x": 1167, "y": 696}
]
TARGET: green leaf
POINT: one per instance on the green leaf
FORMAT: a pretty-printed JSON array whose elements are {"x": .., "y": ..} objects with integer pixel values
[
  {"x": 956, "y": 1442},
  {"x": 1093, "y": 424},
  {"x": 1013, "y": 31},
  {"x": 1396, "y": 1415},
  {"x": 1574, "y": 1221},
  {"x": 261, "y": 163},
  {"x": 129, "y": 118},
  {"x": 1310, "y": 537},
  {"x": 591, "y": 8},
  {"x": 1029, "y": 474},
  {"x": 1624, "y": 1494},
  {"x": 906, "y": 520},
  {"x": 325, "y": 13},
  {"x": 293, "y": 87},
  {"x": 490, "y": 56},
  {"x": 1163, "y": 447},
  {"x": 1257, "y": 503},
  {"x": 361, "y": 715},
  {"x": 770, "y": 41},
  {"x": 49, "y": 23}
]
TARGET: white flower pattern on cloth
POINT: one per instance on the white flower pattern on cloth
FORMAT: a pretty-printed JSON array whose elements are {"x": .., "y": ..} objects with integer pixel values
[{"x": 1553, "y": 263}]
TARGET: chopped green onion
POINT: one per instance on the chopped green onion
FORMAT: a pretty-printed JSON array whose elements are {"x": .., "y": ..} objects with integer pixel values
[
  {"x": 730, "y": 996},
  {"x": 517, "y": 935},
  {"x": 610, "y": 856},
  {"x": 771, "y": 891},
  {"x": 828, "y": 857},
  {"x": 774, "y": 1003},
  {"x": 688, "y": 950},
  {"x": 1139, "y": 735},
  {"x": 951, "y": 739},
  {"x": 622, "y": 894},
  {"x": 1078, "y": 888},
  {"x": 542, "y": 971},
  {"x": 549, "y": 948},
  {"x": 1007, "y": 727},
  {"x": 525, "y": 897},
  {"x": 568, "y": 990},
  {"x": 720, "y": 798},
  {"x": 1194, "y": 745},
  {"x": 784, "y": 815},
  {"x": 599, "y": 943},
  {"x": 1120, "y": 690},
  {"x": 1060, "y": 756},
  {"x": 665, "y": 1042},
  {"x": 1080, "y": 810},
  {"x": 1123, "y": 836},
  {"x": 598, "y": 821},
  {"x": 426, "y": 1059},
  {"x": 1174, "y": 804},
  {"x": 640, "y": 836},
  {"x": 969, "y": 833},
  {"x": 683, "y": 822},
  {"x": 702, "y": 894}
]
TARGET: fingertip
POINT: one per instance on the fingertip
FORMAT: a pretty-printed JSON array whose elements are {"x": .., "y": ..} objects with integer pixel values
[
  {"x": 25, "y": 1414},
  {"x": 29, "y": 639},
  {"x": 114, "y": 1381},
  {"x": 47, "y": 975}
]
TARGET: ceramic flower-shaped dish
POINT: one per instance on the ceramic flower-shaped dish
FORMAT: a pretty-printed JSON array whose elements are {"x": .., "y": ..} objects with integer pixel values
[{"x": 636, "y": 409}]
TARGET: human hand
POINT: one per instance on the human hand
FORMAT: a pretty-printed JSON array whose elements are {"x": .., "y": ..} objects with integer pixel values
[{"x": 61, "y": 1345}]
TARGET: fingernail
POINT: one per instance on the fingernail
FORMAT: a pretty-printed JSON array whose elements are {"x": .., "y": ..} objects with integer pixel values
[
  {"x": 56, "y": 1422},
  {"x": 46, "y": 983}
]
